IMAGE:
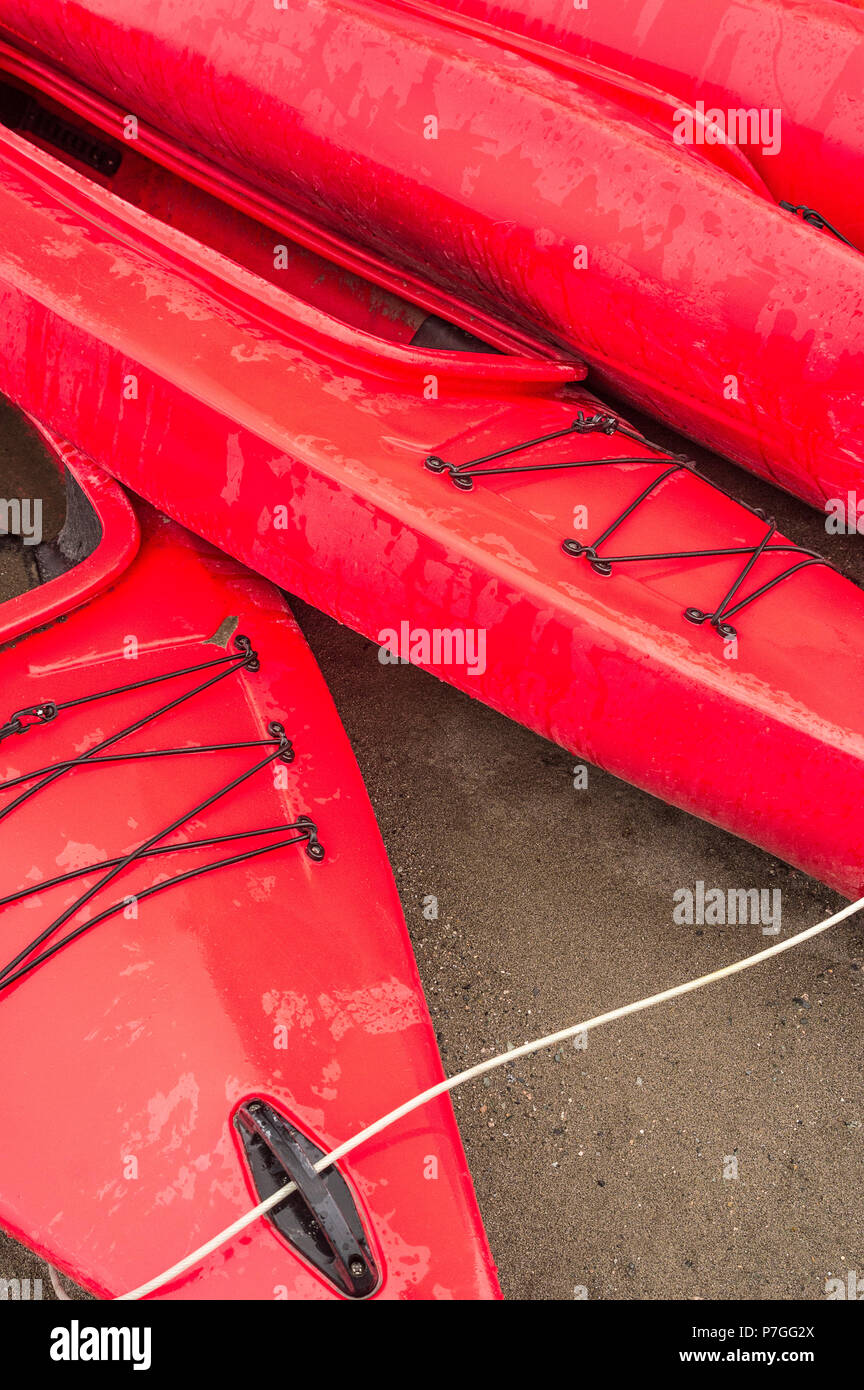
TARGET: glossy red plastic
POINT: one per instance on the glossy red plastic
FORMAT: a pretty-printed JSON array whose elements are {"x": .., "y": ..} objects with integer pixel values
[
  {"x": 297, "y": 443},
  {"x": 561, "y": 206},
  {"x": 127, "y": 1054},
  {"x": 803, "y": 58}
]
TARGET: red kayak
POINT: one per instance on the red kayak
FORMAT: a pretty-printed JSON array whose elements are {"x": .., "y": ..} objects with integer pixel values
[
  {"x": 563, "y": 208},
  {"x": 206, "y": 980},
  {"x": 479, "y": 514},
  {"x": 803, "y": 59}
]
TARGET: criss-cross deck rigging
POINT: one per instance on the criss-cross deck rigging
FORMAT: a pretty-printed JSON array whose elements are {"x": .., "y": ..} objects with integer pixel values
[
  {"x": 464, "y": 476},
  {"x": 279, "y": 748}
]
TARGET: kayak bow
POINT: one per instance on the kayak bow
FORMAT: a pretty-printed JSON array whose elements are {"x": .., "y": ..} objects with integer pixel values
[{"x": 203, "y": 946}]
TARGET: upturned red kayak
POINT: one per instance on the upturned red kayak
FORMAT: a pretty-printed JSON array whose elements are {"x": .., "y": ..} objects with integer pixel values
[
  {"x": 479, "y": 514},
  {"x": 195, "y": 894},
  {"x": 564, "y": 208},
  {"x": 795, "y": 67}
]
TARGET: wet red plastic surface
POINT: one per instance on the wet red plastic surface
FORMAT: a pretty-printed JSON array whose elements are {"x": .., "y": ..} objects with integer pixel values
[
  {"x": 127, "y": 1053},
  {"x": 803, "y": 58},
  {"x": 297, "y": 443},
  {"x": 558, "y": 205}
]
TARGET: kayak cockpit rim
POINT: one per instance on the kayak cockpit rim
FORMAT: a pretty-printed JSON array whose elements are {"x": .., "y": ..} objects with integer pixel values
[
  {"x": 523, "y": 358},
  {"x": 99, "y": 540}
]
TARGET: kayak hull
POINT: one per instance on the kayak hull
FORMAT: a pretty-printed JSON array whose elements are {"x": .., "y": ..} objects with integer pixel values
[
  {"x": 803, "y": 59},
  {"x": 298, "y": 445},
  {"x": 281, "y": 978},
  {"x": 686, "y": 290}
]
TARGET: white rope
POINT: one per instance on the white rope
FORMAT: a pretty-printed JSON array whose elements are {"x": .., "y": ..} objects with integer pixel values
[
  {"x": 480, "y": 1069},
  {"x": 57, "y": 1286}
]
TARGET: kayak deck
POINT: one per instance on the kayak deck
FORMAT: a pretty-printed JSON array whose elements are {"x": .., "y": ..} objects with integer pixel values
[
  {"x": 582, "y": 225},
  {"x": 299, "y": 442},
  {"x": 253, "y": 953}
]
